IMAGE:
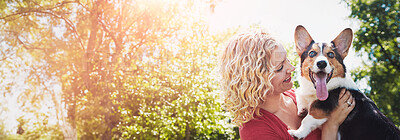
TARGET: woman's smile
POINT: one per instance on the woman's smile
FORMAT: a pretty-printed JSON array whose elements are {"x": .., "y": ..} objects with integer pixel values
[{"x": 288, "y": 80}]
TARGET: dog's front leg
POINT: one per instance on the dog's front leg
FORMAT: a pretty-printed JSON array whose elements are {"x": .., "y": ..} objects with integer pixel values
[
  {"x": 308, "y": 124},
  {"x": 304, "y": 99},
  {"x": 302, "y": 106}
]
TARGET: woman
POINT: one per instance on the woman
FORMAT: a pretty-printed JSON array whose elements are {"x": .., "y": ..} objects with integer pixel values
[{"x": 256, "y": 81}]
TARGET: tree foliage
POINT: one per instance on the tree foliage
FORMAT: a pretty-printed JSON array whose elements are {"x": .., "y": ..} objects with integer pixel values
[
  {"x": 379, "y": 39},
  {"x": 115, "y": 69}
]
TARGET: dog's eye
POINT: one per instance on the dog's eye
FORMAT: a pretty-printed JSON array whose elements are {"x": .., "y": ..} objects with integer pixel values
[
  {"x": 312, "y": 54},
  {"x": 331, "y": 54}
]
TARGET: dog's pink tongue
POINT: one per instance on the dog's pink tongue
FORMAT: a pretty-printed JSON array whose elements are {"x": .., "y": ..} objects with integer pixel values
[{"x": 320, "y": 81}]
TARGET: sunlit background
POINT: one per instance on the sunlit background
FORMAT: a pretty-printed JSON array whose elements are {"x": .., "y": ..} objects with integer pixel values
[
  {"x": 323, "y": 19},
  {"x": 147, "y": 69}
]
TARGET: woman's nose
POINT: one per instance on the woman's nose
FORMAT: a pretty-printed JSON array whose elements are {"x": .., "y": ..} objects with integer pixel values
[{"x": 291, "y": 68}]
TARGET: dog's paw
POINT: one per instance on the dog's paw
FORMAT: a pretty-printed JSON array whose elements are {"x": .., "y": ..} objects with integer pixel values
[
  {"x": 297, "y": 134},
  {"x": 302, "y": 112}
]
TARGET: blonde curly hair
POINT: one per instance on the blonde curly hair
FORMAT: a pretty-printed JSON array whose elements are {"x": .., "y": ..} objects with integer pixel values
[{"x": 246, "y": 71}]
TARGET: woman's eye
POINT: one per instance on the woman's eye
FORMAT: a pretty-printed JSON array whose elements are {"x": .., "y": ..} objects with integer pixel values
[
  {"x": 331, "y": 55},
  {"x": 280, "y": 68},
  {"x": 312, "y": 54}
]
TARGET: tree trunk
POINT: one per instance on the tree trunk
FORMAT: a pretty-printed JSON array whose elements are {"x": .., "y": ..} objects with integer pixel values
[
  {"x": 69, "y": 132},
  {"x": 89, "y": 52},
  {"x": 187, "y": 132}
]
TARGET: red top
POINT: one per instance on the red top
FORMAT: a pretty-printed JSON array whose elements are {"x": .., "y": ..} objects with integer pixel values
[{"x": 270, "y": 127}]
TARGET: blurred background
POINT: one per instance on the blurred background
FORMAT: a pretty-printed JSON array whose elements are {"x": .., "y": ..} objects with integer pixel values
[{"x": 147, "y": 69}]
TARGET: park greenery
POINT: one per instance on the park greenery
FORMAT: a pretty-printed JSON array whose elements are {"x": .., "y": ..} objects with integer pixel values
[
  {"x": 145, "y": 69},
  {"x": 379, "y": 39}
]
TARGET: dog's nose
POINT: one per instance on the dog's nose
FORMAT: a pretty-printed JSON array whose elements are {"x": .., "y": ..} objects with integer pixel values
[{"x": 321, "y": 64}]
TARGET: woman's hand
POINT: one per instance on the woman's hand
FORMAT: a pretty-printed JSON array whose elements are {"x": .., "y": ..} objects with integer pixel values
[{"x": 346, "y": 104}]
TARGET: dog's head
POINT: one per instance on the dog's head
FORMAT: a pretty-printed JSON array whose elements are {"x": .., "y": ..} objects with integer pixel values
[{"x": 320, "y": 62}]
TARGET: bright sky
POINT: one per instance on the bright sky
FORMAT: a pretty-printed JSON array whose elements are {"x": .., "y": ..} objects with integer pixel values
[{"x": 324, "y": 19}]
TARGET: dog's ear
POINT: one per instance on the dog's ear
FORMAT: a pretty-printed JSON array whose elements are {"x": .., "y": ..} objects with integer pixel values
[
  {"x": 302, "y": 39},
  {"x": 343, "y": 41}
]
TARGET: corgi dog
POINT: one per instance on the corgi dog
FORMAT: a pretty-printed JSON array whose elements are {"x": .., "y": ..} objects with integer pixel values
[{"x": 322, "y": 76}]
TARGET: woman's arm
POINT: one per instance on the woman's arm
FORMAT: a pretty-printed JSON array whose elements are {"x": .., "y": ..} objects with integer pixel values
[{"x": 336, "y": 118}]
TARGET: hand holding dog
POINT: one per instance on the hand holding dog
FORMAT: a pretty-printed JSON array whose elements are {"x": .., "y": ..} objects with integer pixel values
[{"x": 346, "y": 104}]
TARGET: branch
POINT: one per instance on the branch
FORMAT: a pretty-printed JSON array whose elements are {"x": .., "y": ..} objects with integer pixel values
[
  {"x": 108, "y": 31},
  {"x": 66, "y": 20},
  {"x": 394, "y": 43},
  {"x": 387, "y": 54},
  {"x": 36, "y": 10},
  {"x": 26, "y": 46},
  {"x": 5, "y": 53},
  {"x": 4, "y": 58},
  {"x": 86, "y": 8},
  {"x": 59, "y": 5},
  {"x": 141, "y": 42},
  {"x": 69, "y": 23}
]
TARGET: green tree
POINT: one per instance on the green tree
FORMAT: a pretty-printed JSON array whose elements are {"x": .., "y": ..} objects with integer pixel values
[
  {"x": 125, "y": 69},
  {"x": 379, "y": 39},
  {"x": 181, "y": 97}
]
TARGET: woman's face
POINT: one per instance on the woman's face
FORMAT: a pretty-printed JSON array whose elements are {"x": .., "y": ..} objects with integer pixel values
[{"x": 283, "y": 70}]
